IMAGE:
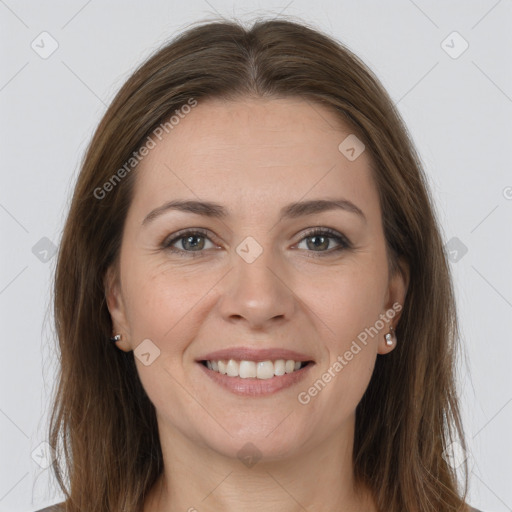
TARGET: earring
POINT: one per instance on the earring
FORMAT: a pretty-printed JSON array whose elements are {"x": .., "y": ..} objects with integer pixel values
[
  {"x": 115, "y": 338},
  {"x": 389, "y": 337}
]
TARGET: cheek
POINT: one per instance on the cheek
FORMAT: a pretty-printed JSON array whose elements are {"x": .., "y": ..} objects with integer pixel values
[
  {"x": 342, "y": 380},
  {"x": 345, "y": 302},
  {"x": 350, "y": 307},
  {"x": 346, "y": 306},
  {"x": 339, "y": 385},
  {"x": 348, "y": 379},
  {"x": 161, "y": 300}
]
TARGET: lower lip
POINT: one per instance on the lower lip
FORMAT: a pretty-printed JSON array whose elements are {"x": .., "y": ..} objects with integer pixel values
[{"x": 257, "y": 387}]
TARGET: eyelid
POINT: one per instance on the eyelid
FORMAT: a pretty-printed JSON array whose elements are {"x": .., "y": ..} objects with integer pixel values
[
  {"x": 182, "y": 233},
  {"x": 332, "y": 233},
  {"x": 343, "y": 242}
]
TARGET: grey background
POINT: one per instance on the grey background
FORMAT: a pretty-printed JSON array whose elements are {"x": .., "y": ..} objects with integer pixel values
[{"x": 458, "y": 111}]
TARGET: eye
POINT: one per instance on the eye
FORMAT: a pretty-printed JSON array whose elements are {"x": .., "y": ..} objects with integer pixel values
[
  {"x": 194, "y": 241},
  {"x": 320, "y": 238},
  {"x": 191, "y": 241}
]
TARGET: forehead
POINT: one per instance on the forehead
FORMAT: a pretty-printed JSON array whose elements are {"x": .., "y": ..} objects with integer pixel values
[{"x": 253, "y": 152}]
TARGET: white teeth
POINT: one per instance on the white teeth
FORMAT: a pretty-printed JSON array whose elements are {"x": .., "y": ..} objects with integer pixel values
[
  {"x": 251, "y": 369},
  {"x": 222, "y": 367},
  {"x": 247, "y": 369},
  {"x": 279, "y": 367},
  {"x": 265, "y": 370},
  {"x": 232, "y": 368}
]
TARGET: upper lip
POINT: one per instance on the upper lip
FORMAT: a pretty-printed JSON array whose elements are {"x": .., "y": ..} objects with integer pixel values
[{"x": 254, "y": 354}]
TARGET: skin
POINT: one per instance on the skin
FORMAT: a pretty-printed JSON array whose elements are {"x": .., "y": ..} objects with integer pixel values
[{"x": 254, "y": 156}]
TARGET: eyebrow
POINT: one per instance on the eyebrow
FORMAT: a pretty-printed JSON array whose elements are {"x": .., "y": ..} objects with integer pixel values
[{"x": 290, "y": 211}]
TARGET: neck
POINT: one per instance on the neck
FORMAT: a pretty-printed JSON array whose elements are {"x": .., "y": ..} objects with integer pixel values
[{"x": 196, "y": 479}]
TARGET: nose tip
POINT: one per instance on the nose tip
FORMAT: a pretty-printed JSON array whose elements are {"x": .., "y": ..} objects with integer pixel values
[{"x": 255, "y": 291}]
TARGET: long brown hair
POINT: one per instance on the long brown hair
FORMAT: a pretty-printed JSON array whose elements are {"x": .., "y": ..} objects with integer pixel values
[{"x": 103, "y": 424}]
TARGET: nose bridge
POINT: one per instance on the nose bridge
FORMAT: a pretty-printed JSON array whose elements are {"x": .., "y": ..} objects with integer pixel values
[{"x": 257, "y": 289}]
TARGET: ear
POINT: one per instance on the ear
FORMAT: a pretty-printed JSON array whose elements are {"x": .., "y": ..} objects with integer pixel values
[
  {"x": 394, "y": 304},
  {"x": 116, "y": 308}
]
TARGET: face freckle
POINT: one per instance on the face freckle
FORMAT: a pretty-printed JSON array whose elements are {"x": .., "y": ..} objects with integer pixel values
[{"x": 254, "y": 158}]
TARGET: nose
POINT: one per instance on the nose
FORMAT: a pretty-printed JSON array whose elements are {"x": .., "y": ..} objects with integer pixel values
[{"x": 257, "y": 293}]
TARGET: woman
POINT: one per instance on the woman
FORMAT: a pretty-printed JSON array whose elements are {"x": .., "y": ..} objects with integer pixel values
[{"x": 252, "y": 300}]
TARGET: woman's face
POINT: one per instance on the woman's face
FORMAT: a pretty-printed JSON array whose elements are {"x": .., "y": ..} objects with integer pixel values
[{"x": 256, "y": 283}]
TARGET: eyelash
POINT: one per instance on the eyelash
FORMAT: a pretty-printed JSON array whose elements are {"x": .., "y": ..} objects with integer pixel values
[{"x": 343, "y": 242}]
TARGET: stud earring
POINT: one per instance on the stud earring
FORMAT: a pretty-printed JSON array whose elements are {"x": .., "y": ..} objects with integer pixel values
[
  {"x": 115, "y": 338},
  {"x": 389, "y": 337}
]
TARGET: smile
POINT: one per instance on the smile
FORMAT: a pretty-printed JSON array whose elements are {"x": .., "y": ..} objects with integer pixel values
[
  {"x": 255, "y": 378},
  {"x": 254, "y": 369}
]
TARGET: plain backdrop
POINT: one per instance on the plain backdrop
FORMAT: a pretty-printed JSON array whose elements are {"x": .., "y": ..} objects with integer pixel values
[{"x": 62, "y": 63}]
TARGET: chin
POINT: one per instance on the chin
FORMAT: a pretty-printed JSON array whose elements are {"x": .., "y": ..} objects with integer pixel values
[{"x": 261, "y": 441}]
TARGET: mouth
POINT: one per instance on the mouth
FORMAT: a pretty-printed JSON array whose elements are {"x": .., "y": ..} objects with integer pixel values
[
  {"x": 247, "y": 369},
  {"x": 255, "y": 372}
]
